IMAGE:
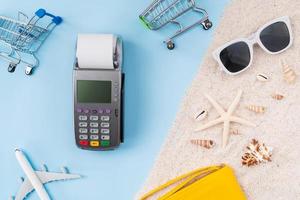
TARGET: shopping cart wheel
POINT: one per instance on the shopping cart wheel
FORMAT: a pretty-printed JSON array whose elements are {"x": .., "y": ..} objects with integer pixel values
[
  {"x": 170, "y": 45},
  {"x": 28, "y": 70},
  {"x": 207, "y": 24},
  {"x": 11, "y": 67}
]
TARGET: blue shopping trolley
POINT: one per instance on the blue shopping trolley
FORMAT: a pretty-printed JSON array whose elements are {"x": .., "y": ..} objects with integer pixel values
[
  {"x": 25, "y": 36},
  {"x": 163, "y": 12}
]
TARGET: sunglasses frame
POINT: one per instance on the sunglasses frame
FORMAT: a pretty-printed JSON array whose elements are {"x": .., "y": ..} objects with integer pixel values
[{"x": 251, "y": 41}]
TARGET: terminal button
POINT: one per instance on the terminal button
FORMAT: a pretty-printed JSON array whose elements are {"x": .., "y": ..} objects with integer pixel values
[
  {"x": 105, "y": 131},
  {"x": 83, "y": 130},
  {"x": 94, "y": 144},
  {"x": 105, "y": 118},
  {"x": 82, "y": 124},
  {"x": 94, "y": 137},
  {"x": 83, "y": 137},
  {"x": 94, "y": 131},
  {"x": 94, "y": 124},
  {"x": 104, "y": 125},
  {"x": 94, "y": 117},
  {"x": 105, "y": 143},
  {"x": 105, "y": 137},
  {"x": 100, "y": 111},
  {"x": 82, "y": 117},
  {"x": 83, "y": 142},
  {"x": 79, "y": 110}
]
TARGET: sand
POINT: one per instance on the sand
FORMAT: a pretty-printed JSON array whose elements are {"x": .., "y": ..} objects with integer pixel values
[{"x": 279, "y": 127}]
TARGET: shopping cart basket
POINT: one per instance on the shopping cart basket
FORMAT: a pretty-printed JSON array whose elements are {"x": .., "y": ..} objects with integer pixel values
[
  {"x": 162, "y": 12},
  {"x": 25, "y": 36}
]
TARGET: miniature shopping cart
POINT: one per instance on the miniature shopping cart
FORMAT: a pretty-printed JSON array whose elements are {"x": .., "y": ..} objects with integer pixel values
[
  {"x": 23, "y": 38},
  {"x": 162, "y": 12}
]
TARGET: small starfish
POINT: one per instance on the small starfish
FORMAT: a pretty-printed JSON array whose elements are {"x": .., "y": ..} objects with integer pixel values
[{"x": 225, "y": 117}]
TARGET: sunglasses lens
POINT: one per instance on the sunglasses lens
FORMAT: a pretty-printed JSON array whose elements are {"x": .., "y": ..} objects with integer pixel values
[
  {"x": 236, "y": 57},
  {"x": 275, "y": 37}
]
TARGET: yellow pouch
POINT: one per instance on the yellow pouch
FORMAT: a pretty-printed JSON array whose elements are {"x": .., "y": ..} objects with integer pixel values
[{"x": 211, "y": 183}]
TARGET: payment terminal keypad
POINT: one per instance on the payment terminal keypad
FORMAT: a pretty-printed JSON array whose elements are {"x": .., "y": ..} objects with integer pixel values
[{"x": 94, "y": 127}]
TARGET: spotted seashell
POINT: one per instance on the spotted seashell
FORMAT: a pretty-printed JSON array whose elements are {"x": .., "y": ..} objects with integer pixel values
[
  {"x": 201, "y": 115},
  {"x": 203, "y": 143},
  {"x": 277, "y": 96},
  {"x": 289, "y": 75},
  {"x": 262, "y": 77},
  {"x": 256, "y": 153},
  {"x": 256, "y": 109},
  {"x": 249, "y": 160}
]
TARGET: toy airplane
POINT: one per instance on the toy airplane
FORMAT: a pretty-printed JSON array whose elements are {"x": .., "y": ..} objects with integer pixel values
[{"x": 36, "y": 179}]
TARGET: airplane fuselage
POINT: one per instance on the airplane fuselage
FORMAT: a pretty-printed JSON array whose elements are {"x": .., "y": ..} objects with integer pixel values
[{"x": 31, "y": 175}]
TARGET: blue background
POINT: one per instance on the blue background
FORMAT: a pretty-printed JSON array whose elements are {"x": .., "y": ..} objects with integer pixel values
[{"x": 37, "y": 113}]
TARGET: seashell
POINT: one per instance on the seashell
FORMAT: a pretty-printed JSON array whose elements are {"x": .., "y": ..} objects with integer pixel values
[
  {"x": 262, "y": 77},
  {"x": 249, "y": 160},
  {"x": 203, "y": 143},
  {"x": 289, "y": 75},
  {"x": 235, "y": 132},
  {"x": 201, "y": 115},
  {"x": 277, "y": 96},
  {"x": 256, "y": 153},
  {"x": 256, "y": 109}
]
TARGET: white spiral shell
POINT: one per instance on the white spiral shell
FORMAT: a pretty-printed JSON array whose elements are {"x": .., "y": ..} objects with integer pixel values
[
  {"x": 277, "y": 96},
  {"x": 289, "y": 75},
  {"x": 203, "y": 143},
  {"x": 256, "y": 109}
]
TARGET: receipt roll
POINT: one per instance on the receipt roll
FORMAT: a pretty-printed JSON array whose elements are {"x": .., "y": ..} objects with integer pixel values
[{"x": 99, "y": 51}]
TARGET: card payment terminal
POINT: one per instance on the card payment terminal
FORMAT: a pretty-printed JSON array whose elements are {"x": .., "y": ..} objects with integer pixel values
[{"x": 98, "y": 92}]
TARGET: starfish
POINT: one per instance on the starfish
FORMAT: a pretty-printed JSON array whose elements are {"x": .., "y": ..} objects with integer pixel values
[{"x": 226, "y": 117}]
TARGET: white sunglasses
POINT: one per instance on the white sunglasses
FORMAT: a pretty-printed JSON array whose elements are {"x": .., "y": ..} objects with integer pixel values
[{"x": 236, "y": 56}]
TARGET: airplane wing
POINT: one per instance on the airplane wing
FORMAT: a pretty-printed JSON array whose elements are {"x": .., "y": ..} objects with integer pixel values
[
  {"x": 25, "y": 189},
  {"x": 45, "y": 177}
]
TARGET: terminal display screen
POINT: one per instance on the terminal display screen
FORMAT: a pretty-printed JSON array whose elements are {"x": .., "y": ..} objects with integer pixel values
[{"x": 91, "y": 91}]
